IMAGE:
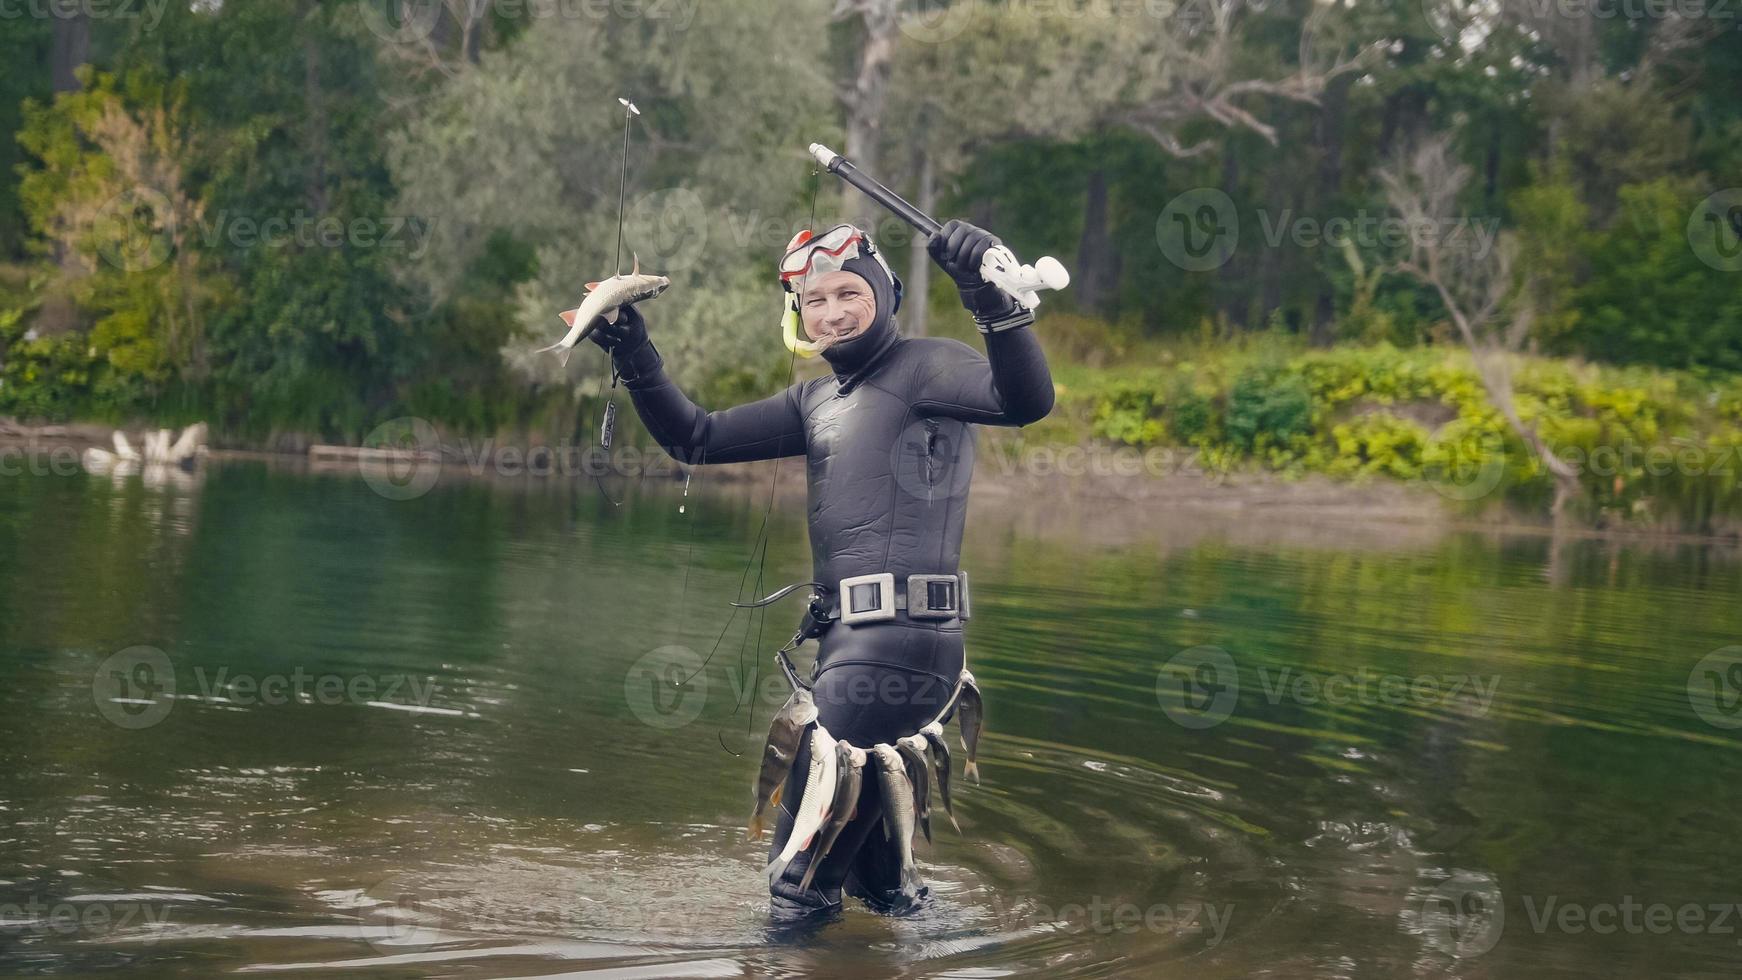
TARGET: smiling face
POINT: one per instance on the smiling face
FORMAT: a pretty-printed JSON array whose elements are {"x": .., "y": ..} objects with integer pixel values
[{"x": 836, "y": 305}]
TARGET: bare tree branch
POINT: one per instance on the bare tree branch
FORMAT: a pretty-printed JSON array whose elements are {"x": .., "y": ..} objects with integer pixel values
[
  {"x": 431, "y": 49},
  {"x": 1480, "y": 291},
  {"x": 1200, "y": 44}
]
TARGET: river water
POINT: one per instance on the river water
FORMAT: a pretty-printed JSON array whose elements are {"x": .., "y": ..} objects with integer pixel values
[{"x": 272, "y": 722}]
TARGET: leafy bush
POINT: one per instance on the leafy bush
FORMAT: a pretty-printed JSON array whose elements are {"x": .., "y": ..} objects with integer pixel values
[
  {"x": 1651, "y": 299},
  {"x": 1644, "y": 440},
  {"x": 42, "y": 377},
  {"x": 1130, "y": 414},
  {"x": 1267, "y": 407}
]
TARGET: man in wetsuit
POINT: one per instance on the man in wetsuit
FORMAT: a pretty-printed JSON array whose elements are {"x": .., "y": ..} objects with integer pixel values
[{"x": 890, "y": 451}]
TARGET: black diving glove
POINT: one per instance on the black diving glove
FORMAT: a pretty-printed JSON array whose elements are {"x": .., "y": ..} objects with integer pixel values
[
  {"x": 631, "y": 350},
  {"x": 959, "y": 248}
]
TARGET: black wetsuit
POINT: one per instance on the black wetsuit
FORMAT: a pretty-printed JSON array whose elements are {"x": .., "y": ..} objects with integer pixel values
[{"x": 889, "y": 445}]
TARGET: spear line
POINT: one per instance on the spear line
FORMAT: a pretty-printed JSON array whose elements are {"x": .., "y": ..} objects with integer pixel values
[{"x": 623, "y": 177}]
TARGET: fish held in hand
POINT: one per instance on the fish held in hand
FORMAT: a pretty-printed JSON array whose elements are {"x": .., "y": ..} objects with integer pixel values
[{"x": 602, "y": 302}]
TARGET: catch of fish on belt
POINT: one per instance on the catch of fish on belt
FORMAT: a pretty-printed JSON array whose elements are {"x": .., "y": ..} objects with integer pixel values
[{"x": 836, "y": 773}]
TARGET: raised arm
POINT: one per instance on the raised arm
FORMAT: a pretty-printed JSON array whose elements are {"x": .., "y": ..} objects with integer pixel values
[
  {"x": 1010, "y": 385},
  {"x": 766, "y": 429}
]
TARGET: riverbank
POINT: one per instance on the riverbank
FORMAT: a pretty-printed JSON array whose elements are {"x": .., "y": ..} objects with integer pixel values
[
  {"x": 1346, "y": 434},
  {"x": 1089, "y": 492},
  {"x": 1652, "y": 448}
]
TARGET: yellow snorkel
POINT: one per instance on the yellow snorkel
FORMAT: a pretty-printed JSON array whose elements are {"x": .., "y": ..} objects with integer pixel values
[{"x": 789, "y": 330}]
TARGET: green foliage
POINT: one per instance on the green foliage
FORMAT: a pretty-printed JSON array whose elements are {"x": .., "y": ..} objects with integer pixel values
[
  {"x": 1651, "y": 299},
  {"x": 1378, "y": 443},
  {"x": 1422, "y": 414},
  {"x": 41, "y": 376},
  {"x": 1194, "y": 414},
  {"x": 25, "y": 41},
  {"x": 1552, "y": 222},
  {"x": 499, "y": 167},
  {"x": 1131, "y": 414},
  {"x": 1267, "y": 407}
]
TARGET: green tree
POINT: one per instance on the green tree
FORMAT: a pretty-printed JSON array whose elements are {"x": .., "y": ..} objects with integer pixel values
[
  {"x": 1650, "y": 297},
  {"x": 112, "y": 198},
  {"x": 525, "y": 148}
]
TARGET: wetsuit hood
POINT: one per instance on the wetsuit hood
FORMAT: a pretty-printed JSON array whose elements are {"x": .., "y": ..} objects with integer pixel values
[{"x": 849, "y": 357}]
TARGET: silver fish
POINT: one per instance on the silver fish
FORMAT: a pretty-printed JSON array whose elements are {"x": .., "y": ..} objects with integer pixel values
[
  {"x": 940, "y": 757},
  {"x": 784, "y": 733},
  {"x": 849, "y": 780},
  {"x": 970, "y": 712},
  {"x": 898, "y": 813},
  {"x": 603, "y": 300},
  {"x": 814, "y": 805},
  {"x": 912, "y": 750}
]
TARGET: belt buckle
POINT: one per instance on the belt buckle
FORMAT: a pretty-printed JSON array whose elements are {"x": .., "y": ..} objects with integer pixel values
[
  {"x": 932, "y": 597},
  {"x": 868, "y": 598}
]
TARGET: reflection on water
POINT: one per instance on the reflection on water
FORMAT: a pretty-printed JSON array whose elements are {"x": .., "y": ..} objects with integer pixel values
[{"x": 271, "y": 722}]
